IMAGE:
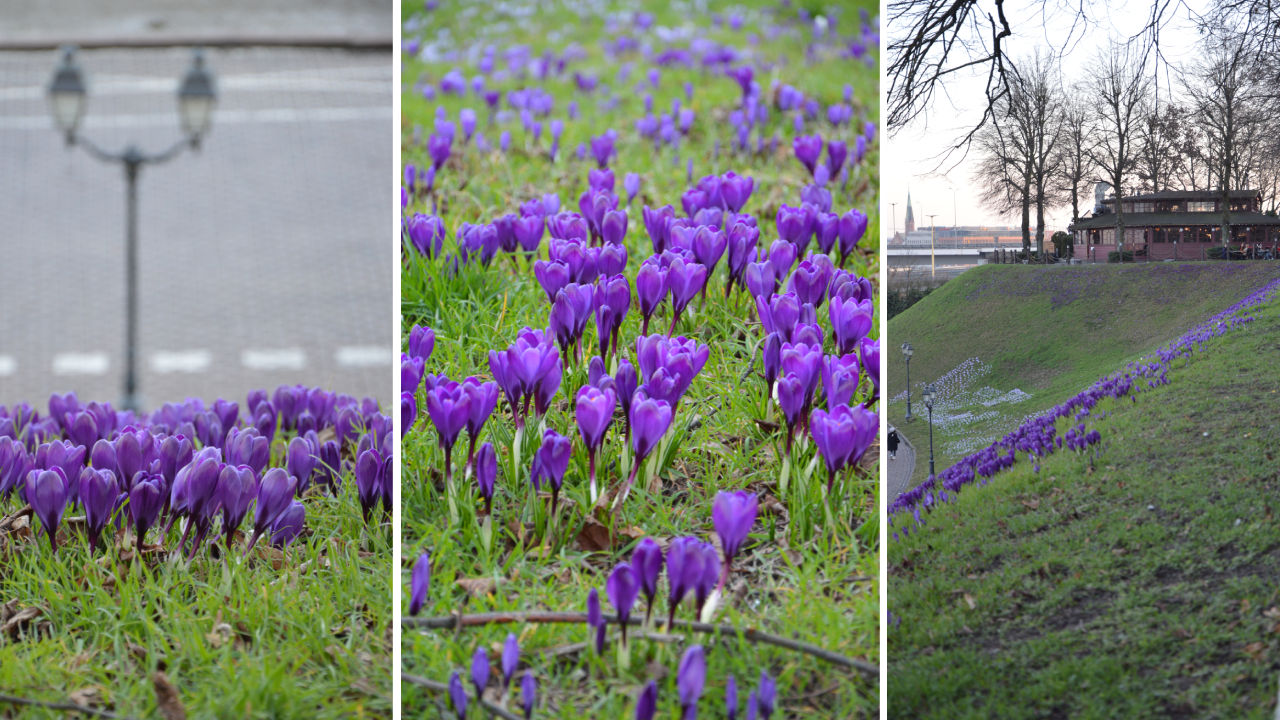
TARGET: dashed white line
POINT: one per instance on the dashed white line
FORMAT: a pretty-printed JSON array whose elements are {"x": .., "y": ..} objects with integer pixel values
[
  {"x": 278, "y": 359},
  {"x": 8, "y": 365},
  {"x": 183, "y": 361},
  {"x": 364, "y": 356},
  {"x": 93, "y": 363}
]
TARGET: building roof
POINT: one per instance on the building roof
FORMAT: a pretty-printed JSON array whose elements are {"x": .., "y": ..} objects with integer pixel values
[
  {"x": 1187, "y": 195},
  {"x": 1176, "y": 219}
]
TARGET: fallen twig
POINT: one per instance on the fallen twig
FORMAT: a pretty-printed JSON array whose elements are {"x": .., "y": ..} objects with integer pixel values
[
  {"x": 446, "y": 622},
  {"x": 443, "y": 688},
  {"x": 65, "y": 706}
]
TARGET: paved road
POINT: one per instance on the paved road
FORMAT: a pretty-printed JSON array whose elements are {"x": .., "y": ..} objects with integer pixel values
[
  {"x": 265, "y": 258},
  {"x": 901, "y": 467}
]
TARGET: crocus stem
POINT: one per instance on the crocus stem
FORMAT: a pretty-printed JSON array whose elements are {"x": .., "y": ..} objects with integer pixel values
[
  {"x": 644, "y": 325},
  {"x": 591, "y": 470},
  {"x": 724, "y": 574},
  {"x": 786, "y": 474},
  {"x": 675, "y": 318},
  {"x": 831, "y": 481},
  {"x": 626, "y": 488}
]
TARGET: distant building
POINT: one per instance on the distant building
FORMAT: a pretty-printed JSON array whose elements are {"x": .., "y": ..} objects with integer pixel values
[
  {"x": 1175, "y": 224},
  {"x": 911, "y": 218},
  {"x": 964, "y": 235}
]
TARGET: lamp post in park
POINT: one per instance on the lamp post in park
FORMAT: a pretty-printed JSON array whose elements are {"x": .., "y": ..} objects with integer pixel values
[
  {"x": 907, "y": 352},
  {"x": 933, "y": 250},
  {"x": 928, "y": 403},
  {"x": 196, "y": 98}
]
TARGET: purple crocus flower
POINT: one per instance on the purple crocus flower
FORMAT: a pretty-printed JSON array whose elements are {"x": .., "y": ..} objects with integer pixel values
[
  {"x": 613, "y": 227},
  {"x": 595, "y": 619},
  {"x": 14, "y": 464},
  {"x": 408, "y": 412},
  {"x": 467, "y": 119},
  {"x": 550, "y": 463},
  {"x": 780, "y": 314},
  {"x": 650, "y": 420},
  {"x": 686, "y": 280},
  {"x": 426, "y": 234},
  {"x": 631, "y": 183},
  {"x": 761, "y": 279},
  {"x": 510, "y": 659},
  {"x": 484, "y": 397},
  {"x": 301, "y": 461},
  {"x": 850, "y": 322},
  {"x": 419, "y": 582},
  {"x": 708, "y": 247},
  {"x": 47, "y": 493},
  {"x": 795, "y": 226},
  {"x": 458, "y": 695},
  {"x": 651, "y": 290},
  {"x": 853, "y": 225},
  {"x": 766, "y": 695},
  {"x": 837, "y": 152},
  {"x": 810, "y": 280},
  {"x": 684, "y": 571},
  {"x": 691, "y": 677},
  {"x": 646, "y": 563},
  {"x": 843, "y": 436},
  {"x": 237, "y": 487},
  {"x": 808, "y": 149},
  {"x": 98, "y": 492},
  {"x": 528, "y": 694},
  {"x": 656, "y": 223},
  {"x": 275, "y": 493},
  {"x": 449, "y": 409},
  {"x": 438, "y": 147},
  {"x": 486, "y": 467},
  {"x": 594, "y": 414},
  {"x": 735, "y": 190},
  {"x": 145, "y": 502},
  {"x": 731, "y": 698},
  {"x": 647, "y": 703},
  {"x": 552, "y": 276},
  {"x": 289, "y": 525},
  {"x": 742, "y": 240},
  {"x": 480, "y": 670},
  {"x": 602, "y": 149},
  {"x": 370, "y": 476},
  {"x": 840, "y": 378},
  {"x": 622, "y": 588},
  {"x": 869, "y": 356},
  {"x": 733, "y": 514},
  {"x": 528, "y": 232},
  {"x": 826, "y": 231}
]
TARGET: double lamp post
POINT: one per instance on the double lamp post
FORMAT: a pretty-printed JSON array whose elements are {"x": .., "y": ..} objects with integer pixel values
[
  {"x": 927, "y": 396},
  {"x": 196, "y": 98}
]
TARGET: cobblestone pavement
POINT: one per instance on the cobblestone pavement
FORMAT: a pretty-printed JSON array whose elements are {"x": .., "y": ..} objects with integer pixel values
[
  {"x": 901, "y": 467},
  {"x": 264, "y": 258}
]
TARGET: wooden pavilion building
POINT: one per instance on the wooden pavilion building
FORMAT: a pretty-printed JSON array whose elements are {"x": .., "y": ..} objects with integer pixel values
[{"x": 1178, "y": 225}]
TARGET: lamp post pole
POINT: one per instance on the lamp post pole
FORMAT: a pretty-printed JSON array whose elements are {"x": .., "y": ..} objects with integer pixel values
[
  {"x": 196, "y": 97},
  {"x": 933, "y": 251},
  {"x": 928, "y": 403},
  {"x": 894, "y": 209},
  {"x": 907, "y": 352}
]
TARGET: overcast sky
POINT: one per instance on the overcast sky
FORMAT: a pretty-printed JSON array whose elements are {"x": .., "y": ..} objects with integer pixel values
[{"x": 912, "y": 157}]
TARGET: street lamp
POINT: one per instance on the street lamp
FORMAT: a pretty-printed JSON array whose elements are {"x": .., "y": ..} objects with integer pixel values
[
  {"x": 933, "y": 250},
  {"x": 928, "y": 403},
  {"x": 197, "y": 95},
  {"x": 907, "y": 352}
]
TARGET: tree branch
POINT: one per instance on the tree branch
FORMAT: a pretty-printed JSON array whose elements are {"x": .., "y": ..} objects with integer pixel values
[
  {"x": 449, "y": 622},
  {"x": 443, "y": 688}
]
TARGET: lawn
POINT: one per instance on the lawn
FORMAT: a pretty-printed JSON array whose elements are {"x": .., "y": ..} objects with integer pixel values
[
  {"x": 809, "y": 568},
  {"x": 1045, "y": 331},
  {"x": 1135, "y": 578},
  {"x": 299, "y": 632}
]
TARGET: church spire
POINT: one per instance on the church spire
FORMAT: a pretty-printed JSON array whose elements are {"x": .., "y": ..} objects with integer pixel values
[{"x": 911, "y": 218}]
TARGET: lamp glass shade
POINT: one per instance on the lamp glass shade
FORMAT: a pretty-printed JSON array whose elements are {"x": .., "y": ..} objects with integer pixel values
[
  {"x": 196, "y": 97},
  {"x": 927, "y": 395},
  {"x": 67, "y": 92}
]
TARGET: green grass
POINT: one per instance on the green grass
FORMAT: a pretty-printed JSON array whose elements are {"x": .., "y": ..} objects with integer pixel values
[
  {"x": 800, "y": 577},
  {"x": 1048, "y": 331},
  {"x": 1139, "y": 585},
  {"x": 309, "y": 639}
]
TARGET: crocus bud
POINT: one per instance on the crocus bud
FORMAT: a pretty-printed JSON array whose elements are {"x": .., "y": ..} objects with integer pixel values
[
  {"x": 808, "y": 149},
  {"x": 733, "y": 514},
  {"x": 631, "y": 183},
  {"x": 422, "y": 340},
  {"x": 458, "y": 695},
  {"x": 691, "y": 677},
  {"x": 487, "y": 474},
  {"x": 480, "y": 670},
  {"x": 237, "y": 487},
  {"x": 300, "y": 462},
  {"x": 47, "y": 492},
  {"x": 766, "y": 695},
  {"x": 510, "y": 658},
  {"x": 622, "y": 588},
  {"x": 419, "y": 583},
  {"x": 369, "y": 481},
  {"x": 275, "y": 493},
  {"x": 289, "y": 525},
  {"x": 145, "y": 501},
  {"x": 647, "y": 703},
  {"x": 98, "y": 492},
  {"x": 528, "y": 694},
  {"x": 731, "y": 698}
]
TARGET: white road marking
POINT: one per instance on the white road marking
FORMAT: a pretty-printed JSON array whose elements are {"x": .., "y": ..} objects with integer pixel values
[
  {"x": 8, "y": 365},
  {"x": 94, "y": 363},
  {"x": 184, "y": 361},
  {"x": 364, "y": 356},
  {"x": 280, "y": 359}
]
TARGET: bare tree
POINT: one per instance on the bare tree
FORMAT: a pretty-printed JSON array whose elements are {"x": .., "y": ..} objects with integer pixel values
[
  {"x": 1075, "y": 167},
  {"x": 1120, "y": 87},
  {"x": 1229, "y": 96},
  {"x": 1158, "y": 158}
]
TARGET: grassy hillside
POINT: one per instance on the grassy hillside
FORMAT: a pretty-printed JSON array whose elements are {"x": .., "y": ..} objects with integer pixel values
[
  {"x": 1046, "y": 331},
  {"x": 1135, "y": 580}
]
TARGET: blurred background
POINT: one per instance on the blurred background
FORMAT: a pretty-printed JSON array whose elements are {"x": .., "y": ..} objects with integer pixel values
[{"x": 264, "y": 257}]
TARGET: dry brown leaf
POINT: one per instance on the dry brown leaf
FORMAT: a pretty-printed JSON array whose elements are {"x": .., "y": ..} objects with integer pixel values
[
  {"x": 478, "y": 587},
  {"x": 87, "y": 696},
  {"x": 19, "y": 619},
  {"x": 1031, "y": 504},
  {"x": 8, "y": 610},
  {"x": 1256, "y": 650},
  {"x": 168, "y": 703},
  {"x": 595, "y": 537},
  {"x": 970, "y": 601},
  {"x": 1272, "y": 612}
]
